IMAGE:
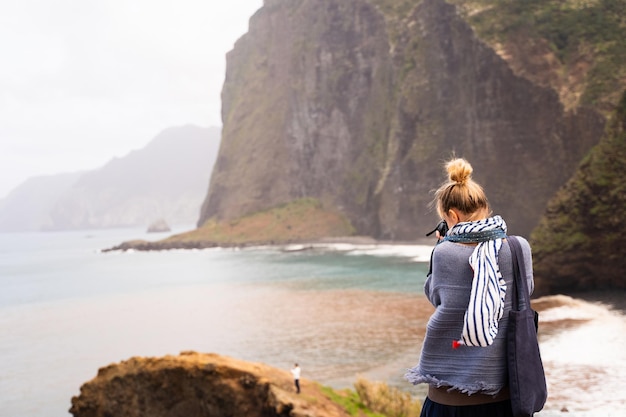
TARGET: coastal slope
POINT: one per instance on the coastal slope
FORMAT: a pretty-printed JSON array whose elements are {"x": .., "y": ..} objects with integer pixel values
[{"x": 197, "y": 385}]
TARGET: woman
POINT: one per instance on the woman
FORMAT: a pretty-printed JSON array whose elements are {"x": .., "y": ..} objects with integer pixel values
[{"x": 464, "y": 353}]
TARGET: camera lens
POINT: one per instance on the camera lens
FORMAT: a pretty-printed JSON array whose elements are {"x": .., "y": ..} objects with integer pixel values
[{"x": 442, "y": 228}]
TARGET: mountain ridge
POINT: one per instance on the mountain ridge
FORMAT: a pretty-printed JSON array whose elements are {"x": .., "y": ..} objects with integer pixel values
[{"x": 167, "y": 178}]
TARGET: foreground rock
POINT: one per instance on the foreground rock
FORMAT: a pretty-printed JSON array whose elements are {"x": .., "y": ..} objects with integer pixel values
[{"x": 195, "y": 385}]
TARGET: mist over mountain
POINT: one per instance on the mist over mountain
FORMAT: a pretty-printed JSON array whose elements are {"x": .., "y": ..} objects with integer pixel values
[
  {"x": 167, "y": 179},
  {"x": 27, "y": 207}
]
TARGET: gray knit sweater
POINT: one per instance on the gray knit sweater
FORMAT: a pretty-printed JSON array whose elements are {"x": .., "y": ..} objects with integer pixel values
[{"x": 467, "y": 369}]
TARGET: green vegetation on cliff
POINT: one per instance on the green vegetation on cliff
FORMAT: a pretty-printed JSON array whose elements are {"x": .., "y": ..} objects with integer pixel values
[
  {"x": 395, "y": 12},
  {"x": 579, "y": 242},
  {"x": 299, "y": 220},
  {"x": 577, "y": 47},
  {"x": 581, "y": 42}
]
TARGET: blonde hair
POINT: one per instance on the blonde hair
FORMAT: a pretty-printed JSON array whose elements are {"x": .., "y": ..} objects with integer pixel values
[{"x": 460, "y": 191}]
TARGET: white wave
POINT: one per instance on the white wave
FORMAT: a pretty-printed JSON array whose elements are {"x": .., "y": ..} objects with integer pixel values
[
  {"x": 583, "y": 311},
  {"x": 417, "y": 253},
  {"x": 585, "y": 362}
]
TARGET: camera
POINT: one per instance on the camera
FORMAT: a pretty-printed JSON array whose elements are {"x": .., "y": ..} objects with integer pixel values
[{"x": 442, "y": 228}]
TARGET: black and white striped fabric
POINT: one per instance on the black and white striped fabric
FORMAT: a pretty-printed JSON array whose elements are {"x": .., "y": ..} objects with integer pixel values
[{"x": 486, "y": 305}]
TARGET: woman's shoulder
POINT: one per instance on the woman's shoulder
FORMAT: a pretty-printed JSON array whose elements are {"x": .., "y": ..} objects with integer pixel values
[
  {"x": 447, "y": 248},
  {"x": 523, "y": 243},
  {"x": 453, "y": 246},
  {"x": 522, "y": 240}
]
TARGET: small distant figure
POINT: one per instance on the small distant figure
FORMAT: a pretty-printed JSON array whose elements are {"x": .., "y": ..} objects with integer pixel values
[{"x": 295, "y": 371}]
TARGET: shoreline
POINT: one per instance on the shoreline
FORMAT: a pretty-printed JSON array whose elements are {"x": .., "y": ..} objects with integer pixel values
[
  {"x": 614, "y": 299},
  {"x": 144, "y": 245},
  {"x": 580, "y": 338}
]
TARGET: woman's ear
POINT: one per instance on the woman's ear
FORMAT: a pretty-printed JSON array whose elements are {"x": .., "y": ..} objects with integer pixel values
[{"x": 454, "y": 216}]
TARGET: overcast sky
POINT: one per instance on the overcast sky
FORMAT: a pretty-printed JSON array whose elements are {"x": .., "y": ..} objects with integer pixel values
[{"x": 83, "y": 81}]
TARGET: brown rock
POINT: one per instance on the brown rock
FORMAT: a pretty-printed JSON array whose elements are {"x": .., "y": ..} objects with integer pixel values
[{"x": 194, "y": 385}]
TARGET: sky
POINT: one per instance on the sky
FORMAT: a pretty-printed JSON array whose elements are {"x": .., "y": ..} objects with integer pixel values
[{"x": 83, "y": 81}]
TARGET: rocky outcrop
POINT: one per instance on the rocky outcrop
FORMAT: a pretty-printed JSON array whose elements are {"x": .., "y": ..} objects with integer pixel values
[
  {"x": 159, "y": 226},
  {"x": 579, "y": 244},
  {"x": 198, "y": 385},
  {"x": 297, "y": 222},
  {"x": 357, "y": 104}
]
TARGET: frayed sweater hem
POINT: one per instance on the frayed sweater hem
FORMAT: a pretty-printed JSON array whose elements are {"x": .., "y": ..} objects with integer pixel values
[{"x": 416, "y": 378}]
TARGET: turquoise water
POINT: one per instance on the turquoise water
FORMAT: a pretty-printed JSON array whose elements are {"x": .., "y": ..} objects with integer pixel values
[
  {"x": 67, "y": 309},
  {"x": 47, "y": 267}
]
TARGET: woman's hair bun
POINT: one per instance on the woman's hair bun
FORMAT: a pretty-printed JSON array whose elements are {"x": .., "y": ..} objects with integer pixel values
[
  {"x": 459, "y": 170},
  {"x": 460, "y": 192}
]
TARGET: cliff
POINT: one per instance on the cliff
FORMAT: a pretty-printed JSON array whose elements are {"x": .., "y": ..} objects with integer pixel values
[
  {"x": 579, "y": 243},
  {"x": 195, "y": 385},
  {"x": 356, "y": 103}
]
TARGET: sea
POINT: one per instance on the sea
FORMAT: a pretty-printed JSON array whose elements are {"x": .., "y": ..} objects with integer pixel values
[{"x": 341, "y": 310}]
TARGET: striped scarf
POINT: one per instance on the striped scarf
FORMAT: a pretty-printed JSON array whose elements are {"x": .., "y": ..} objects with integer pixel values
[{"x": 486, "y": 305}]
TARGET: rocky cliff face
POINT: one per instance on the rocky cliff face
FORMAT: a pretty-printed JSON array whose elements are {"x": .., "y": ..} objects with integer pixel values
[
  {"x": 198, "y": 385},
  {"x": 358, "y": 102},
  {"x": 303, "y": 106},
  {"x": 458, "y": 95}
]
